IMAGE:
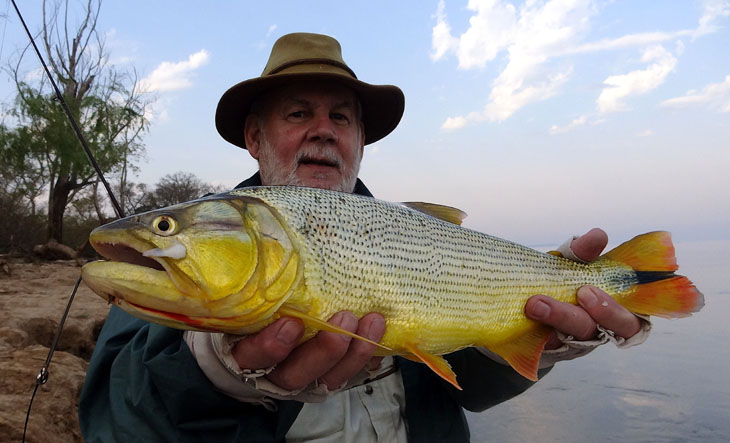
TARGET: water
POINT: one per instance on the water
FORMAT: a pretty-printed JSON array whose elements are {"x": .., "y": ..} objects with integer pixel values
[{"x": 673, "y": 388}]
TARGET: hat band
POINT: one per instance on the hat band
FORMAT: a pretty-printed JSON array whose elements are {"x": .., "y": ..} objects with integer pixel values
[{"x": 313, "y": 61}]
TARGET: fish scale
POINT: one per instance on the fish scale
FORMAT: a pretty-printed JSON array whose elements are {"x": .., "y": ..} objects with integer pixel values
[
  {"x": 424, "y": 275},
  {"x": 261, "y": 253}
]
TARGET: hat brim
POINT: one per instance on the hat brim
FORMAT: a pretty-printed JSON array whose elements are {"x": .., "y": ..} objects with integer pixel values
[{"x": 382, "y": 105}]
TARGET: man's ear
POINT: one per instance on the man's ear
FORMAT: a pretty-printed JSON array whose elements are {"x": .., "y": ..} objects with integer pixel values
[{"x": 252, "y": 133}]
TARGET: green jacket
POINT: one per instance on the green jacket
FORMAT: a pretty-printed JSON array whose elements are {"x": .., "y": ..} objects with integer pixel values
[{"x": 143, "y": 384}]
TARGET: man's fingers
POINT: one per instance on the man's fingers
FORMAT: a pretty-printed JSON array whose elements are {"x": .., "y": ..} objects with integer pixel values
[
  {"x": 589, "y": 246},
  {"x": 270, "y": 345},
  {"x": 315, "y": 357},
  {"x": 359, "y": 354},
  {"x": 607, "y": 312},
  {"x": 564, "y": 317}
]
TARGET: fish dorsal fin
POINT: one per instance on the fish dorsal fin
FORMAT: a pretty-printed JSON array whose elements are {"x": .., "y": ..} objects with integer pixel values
[
  {"x": 316, "y": 323},
  {"x": 445, "y": 213}
]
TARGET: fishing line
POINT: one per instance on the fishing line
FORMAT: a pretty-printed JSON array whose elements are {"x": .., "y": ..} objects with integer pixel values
[
  {"x": 42, "y": 376},
  {"x": 79, "y": 135}
]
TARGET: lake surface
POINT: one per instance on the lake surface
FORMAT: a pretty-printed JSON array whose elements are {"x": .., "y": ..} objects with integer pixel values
[{"x": 673, "y": 388}]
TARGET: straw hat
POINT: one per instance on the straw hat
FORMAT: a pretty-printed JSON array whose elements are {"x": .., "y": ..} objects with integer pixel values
[{"x": 304, "y": 56}]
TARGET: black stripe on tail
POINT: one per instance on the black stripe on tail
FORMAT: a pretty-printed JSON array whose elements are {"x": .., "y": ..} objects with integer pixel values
[{"x": 652, "y": 276}]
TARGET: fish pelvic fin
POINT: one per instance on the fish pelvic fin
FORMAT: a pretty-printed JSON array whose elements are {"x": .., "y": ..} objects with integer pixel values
[
  {"x": 316, "y": 323},
  {"x": 436, "y": 363},
  {"x": 524, "y": 351},
  {"x": 659, "y": 290}
]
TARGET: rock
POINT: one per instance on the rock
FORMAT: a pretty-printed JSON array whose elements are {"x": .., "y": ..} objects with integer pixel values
[
  {"x": 32, "y": 301},
  {"x": 54, "y": 417}
]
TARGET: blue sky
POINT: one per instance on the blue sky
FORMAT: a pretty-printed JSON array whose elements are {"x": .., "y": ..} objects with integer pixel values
[{"x": 540, "y": 119}]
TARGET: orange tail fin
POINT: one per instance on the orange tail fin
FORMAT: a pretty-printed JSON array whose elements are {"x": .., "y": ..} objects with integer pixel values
[{"x": 659, "y": 292}]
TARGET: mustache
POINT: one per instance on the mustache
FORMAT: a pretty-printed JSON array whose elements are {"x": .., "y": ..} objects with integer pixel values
[{"x": 321, "y": 154}]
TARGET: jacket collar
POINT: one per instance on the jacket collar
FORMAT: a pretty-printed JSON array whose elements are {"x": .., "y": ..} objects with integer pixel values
[{"x": 255, "y": 180}]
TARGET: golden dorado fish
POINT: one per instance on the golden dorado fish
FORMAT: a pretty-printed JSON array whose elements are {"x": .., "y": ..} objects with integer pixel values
[{"x": 237, "y": 261}]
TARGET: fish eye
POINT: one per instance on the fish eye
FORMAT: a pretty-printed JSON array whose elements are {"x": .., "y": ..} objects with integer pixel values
[{"x": 164, "y": 225}]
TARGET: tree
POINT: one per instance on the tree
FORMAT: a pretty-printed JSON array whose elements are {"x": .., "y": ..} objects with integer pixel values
[
  {"x": 177, "y": 188},
  {"x": 107, "y": 104}
]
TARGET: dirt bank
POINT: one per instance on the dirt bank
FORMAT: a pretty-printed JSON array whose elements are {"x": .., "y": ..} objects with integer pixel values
[{"x": 32, "y": 300}]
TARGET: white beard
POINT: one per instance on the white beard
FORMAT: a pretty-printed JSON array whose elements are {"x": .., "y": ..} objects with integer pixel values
[{"x": 276, "y": 172}]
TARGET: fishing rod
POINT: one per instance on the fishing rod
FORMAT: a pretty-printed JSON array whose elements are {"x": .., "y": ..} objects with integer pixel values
[{"x": 43, "y": 375}]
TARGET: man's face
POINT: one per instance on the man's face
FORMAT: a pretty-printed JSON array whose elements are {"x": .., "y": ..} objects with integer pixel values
[{"x": 308, "y": 134}]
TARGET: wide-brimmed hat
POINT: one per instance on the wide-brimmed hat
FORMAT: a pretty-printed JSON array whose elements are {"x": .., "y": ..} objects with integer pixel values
[{"x": 303, "y": 56}]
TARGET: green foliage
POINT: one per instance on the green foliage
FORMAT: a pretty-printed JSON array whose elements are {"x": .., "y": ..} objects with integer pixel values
[
  {"x": 23, "y": 226},
  {"x": 40, "y": 150}
]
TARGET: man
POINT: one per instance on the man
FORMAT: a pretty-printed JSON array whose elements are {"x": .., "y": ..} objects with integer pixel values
[{"x": 306, "y": 121}]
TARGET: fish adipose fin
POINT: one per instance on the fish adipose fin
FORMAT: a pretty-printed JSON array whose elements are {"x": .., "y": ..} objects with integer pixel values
[
  {"x": 659, "y": 291},
  {"x": 322, "y": 325},
  {"x": 523, "y": 352},
  {"x": 438, "y": 364}
]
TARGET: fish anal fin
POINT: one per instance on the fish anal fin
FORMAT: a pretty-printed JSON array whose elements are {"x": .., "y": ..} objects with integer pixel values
[
  {"x": 523, "y": 352},
  {"x": 437, "y": 363},
  {"x": 445, "y": 213},
  {"x": 316, "y": 323}
]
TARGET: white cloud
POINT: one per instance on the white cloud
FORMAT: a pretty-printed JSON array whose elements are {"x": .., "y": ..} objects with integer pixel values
[
  {"x": 580, "y": 121},
  {"x": 491, "y": 30},
  {"x": 715, "y": 95},
  {"x": 536, "y": 33},
  {"x": 530, "y": 37},
  {"x": 272, "y": 28},
  {"x": 713, "y": 11},
  {"x": 627, "y": 41},
  {"x": 459, "y": 122},
  {"x": 171, "y": 76},
  {"x": 646, "y": 133},
  {"x": 34, "y": 75},
  {"x": 620, "y": 87},
  {"x": 121, "y": 60},
  {"x": 510, "y": 93},
  {"x": 441, "y": 39}
]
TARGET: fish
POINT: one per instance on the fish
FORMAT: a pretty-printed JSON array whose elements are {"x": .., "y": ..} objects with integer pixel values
[{"x": 235, "y": 262}]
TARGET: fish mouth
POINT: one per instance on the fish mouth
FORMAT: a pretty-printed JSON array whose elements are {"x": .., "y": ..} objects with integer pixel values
[
  {"x": 126, "y": 254},
  {"x": 165, "y": 317}
]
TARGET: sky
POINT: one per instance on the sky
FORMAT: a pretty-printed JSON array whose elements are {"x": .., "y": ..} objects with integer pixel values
[{"x": 539, "y": 119}]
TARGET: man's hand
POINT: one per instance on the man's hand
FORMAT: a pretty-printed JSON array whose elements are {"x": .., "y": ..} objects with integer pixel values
[
  {"x": 331, "y": 358},
  {"x": 595, "y": 306}
]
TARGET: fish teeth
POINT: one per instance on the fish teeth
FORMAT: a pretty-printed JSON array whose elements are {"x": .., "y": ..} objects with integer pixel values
[{"x": 176, "y": 251}]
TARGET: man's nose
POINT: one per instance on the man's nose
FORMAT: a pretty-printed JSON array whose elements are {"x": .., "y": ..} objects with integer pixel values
[{"x": 322, "y": 129}]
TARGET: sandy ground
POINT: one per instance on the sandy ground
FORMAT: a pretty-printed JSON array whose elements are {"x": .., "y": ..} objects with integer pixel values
[{"x": 32, "y": 300}]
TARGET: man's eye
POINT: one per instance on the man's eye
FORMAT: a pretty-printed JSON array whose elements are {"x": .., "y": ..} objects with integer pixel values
[
  {"x": 340, "y": 117},
  {"x": 296, "y": 114}
]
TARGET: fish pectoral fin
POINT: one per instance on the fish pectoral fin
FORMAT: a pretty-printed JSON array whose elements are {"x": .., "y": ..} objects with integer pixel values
[
  {"x": 445, "y": 213},
  {"x": 316, "y": 323},
  {"x": 523, "y": 352},
  {"x": 438, "y": 364}
]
